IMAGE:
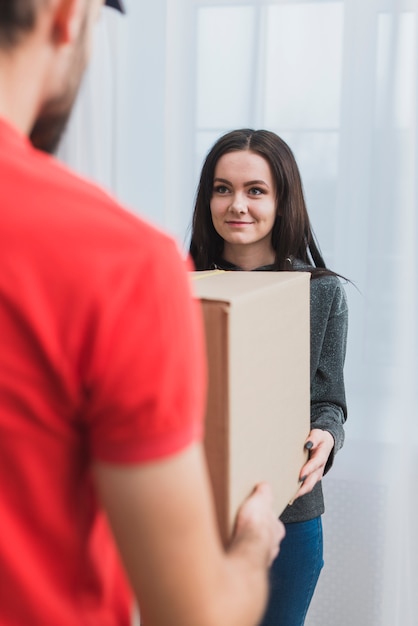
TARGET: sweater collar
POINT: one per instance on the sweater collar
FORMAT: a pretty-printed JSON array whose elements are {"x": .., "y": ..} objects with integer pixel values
[
  {"x": 231, "y": 267},
  {"x": 222, "y": 264}
]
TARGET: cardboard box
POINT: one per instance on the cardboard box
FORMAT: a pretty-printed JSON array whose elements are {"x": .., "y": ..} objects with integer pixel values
[{"x": 258, "y": 411}]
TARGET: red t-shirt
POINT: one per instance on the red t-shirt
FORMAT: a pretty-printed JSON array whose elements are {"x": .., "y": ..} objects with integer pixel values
[{"x": 100, "y": 358}]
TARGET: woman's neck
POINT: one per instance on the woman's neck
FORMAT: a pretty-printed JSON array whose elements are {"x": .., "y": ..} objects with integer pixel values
[{"x": 247, "y": 257}]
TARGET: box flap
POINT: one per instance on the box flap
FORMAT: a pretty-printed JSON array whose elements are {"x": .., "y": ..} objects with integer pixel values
[{"x": 234, "y": 286}]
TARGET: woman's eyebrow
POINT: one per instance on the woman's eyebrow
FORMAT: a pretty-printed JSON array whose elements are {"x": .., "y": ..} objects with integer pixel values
[
  {"x": 222, "y": 180},
  {"x": 256, "y": 182},
  {"x": 247, "y": 184}
]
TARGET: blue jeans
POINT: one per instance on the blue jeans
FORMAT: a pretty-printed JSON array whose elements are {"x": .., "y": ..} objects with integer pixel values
[{"x": 294, "y": 574}]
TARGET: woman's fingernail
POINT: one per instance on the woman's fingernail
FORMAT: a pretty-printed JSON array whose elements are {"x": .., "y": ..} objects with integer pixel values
[
  {"x": 303, "y": 479},
  {"x": 309, "y": 445}
]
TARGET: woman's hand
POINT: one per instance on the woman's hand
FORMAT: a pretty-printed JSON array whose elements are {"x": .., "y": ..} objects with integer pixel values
[{"x": 319, "y": 443}]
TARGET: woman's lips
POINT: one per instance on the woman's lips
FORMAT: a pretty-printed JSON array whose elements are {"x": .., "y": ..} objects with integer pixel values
[{"x": 239, "y": 223}]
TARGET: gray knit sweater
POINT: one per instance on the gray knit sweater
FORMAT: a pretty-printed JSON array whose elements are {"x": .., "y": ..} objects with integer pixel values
[{"x": 329, "y": 319}]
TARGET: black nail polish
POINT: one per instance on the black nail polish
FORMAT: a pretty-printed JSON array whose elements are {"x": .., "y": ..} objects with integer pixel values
[{"x": 309, "y": 445}]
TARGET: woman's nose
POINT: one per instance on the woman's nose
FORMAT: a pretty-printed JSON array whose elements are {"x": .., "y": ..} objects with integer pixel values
[{"x": 238, "y": 204}]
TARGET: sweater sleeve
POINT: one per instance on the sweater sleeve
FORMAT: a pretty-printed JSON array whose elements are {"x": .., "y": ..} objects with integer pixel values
[{"x": 329, "y": 323}]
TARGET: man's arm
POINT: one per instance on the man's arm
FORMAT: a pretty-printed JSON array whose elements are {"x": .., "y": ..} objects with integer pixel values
[{"x": 163, "y": 520}]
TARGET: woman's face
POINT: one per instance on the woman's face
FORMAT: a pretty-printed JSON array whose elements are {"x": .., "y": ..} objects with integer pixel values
[{"x": 243, "y": 204}]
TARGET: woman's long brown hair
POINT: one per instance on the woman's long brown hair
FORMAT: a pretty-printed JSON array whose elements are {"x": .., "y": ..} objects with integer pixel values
[{"x": 292, "y": 235}]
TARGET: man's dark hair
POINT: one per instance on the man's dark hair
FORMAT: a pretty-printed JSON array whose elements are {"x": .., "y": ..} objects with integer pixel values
[{"x": 17, "y": 17}]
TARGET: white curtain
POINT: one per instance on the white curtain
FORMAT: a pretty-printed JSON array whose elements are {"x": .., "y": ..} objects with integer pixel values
[{"x": 338, "y": 80}]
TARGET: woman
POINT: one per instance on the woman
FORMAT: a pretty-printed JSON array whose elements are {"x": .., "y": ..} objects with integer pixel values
[{"x": 250, "y": 214}]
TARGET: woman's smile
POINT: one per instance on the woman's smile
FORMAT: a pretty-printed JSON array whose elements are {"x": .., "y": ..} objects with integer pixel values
[{"x": 238, "y": 223}]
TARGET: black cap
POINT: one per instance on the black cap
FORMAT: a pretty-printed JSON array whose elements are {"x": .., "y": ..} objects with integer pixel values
[{"x": 116, "y": 4}]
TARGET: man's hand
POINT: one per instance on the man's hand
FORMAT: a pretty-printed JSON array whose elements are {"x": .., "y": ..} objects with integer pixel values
[{"x": 257, "y": 520}]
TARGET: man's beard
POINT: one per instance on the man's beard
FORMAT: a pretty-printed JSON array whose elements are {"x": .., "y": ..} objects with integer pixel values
[
  {"x": 52, "y": 120},
  {"x": 49, "y": 128}
]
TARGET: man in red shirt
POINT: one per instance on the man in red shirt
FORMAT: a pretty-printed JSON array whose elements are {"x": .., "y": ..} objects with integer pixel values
[{"x": 102, "y": 381}]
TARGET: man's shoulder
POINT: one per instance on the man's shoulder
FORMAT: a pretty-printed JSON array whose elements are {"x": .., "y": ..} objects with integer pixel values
[
  {"x": 60, "y": 197},
  {"x": 50, "y": 212},
  {"x": 89, "y": 201}
]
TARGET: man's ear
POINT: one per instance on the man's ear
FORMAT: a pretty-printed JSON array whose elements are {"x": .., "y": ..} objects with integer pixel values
[{"x": 67, "y": 20}]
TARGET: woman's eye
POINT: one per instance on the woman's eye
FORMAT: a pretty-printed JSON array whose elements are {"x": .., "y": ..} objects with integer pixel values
[
  {"x": 221, "y": 189},
  {"x": 256, "y": 191}
]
